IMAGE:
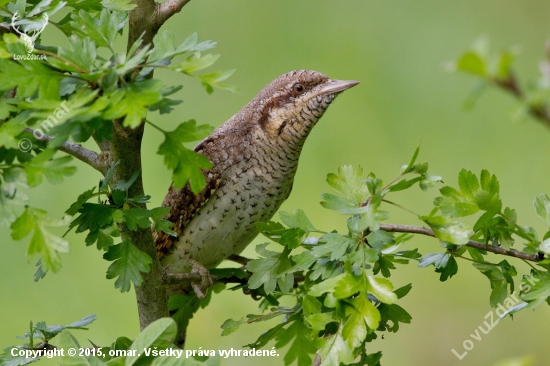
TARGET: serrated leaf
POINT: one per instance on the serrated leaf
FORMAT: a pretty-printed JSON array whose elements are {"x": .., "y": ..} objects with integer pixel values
[
  {"x": 265, "y": 270},
  {"x": 542, "y": 208},
  {"x": 43, "y": 165},
  {"x": 363, "y": 316},
  {"x": 132, "y": 100},
  {"x": 332, "y": 244},
  {"x": 128, "y": 264},
  {"x": 498, "y": 282},
  {"x": 185, "y": 164},
  {"x": 103, "y": 29},
  {"x": 448, "y": 230},
  {"x": 137, "y": 218},
  {"x": 301, "y": 347},
  {"x": 296, "y": 219},
  {"x": 229, "y": 326},
  {"x": 42, "y": 243},
  {"x": 82, "y": 199}
]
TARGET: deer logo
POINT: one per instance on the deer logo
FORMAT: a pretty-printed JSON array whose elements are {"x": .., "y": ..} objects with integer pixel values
[{"x": 33, "y": 33}]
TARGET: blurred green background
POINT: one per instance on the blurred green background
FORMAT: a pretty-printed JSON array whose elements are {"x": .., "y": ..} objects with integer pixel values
[{"x": 397, "y": 49}]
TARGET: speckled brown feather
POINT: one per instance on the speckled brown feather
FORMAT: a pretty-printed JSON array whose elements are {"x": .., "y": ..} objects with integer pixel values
[{"x": 185, "y": 204}]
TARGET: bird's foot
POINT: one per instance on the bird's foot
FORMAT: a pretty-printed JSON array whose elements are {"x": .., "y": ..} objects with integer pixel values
[{"x": 206, "y": 280}]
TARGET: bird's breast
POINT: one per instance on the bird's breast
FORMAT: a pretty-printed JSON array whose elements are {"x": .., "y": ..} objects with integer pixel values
[{"x": 225, "y": 225}]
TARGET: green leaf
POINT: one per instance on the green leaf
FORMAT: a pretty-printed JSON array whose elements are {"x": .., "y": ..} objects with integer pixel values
[
  {"x": 332, "y": 245},
  {"x": 468, "y": 183},
  {"x": 318, "y": 321},
  {"x": 102, "y": 30},
  {"x": 66, "y": 342},
  {"x": 93, "y": 216},
  {"x": 537, "y": 287},
  {"x": 132, "y": 100},
  {"x": 265, "y": 270},
  {"x": 229, "y": 326},
  {"x": 471, "y": 62},
  {"x": 186, "y": 164},
  {"x": 188, "y": 131},
  {"x": 403, "y": 291},
  {"x": 80, "y": 57},
  {"x": 409, "y": 168},
  {"x": 196, "y": 62},
  {"x": 165, "y": 46},
  {"x": 42, "y": 243},
  {"x": 488, "y": 197},
  {"x": 82, "y": 199},
  {"x": 29, "y": 77},
  {"x": 325, "y": 286},
  {"x": 128, "y": 264},
  {"x": 449, "y": 270},
  {"x": 292, "y": 238},
  {"x": 363, "y": 317},
  {"x": 214, "y": 80},
  {"x": 338, "y": 203},
  {"x": 542, "y": 208},
  {"x": 296, "y": 219},
  {"x": 349, "y": 182},
  {"x": 403, "y": 184},
  {"x": 504, "y": 67},
  {"x": 499, "y": 280},
  {"x": 136, "y": 218},
  {"x": 301, "y": 347},
  {"x": 335, "y": 350},
  {"x": 159, "y": 334},
  {"x": 43, "y": 165},
  {"x": 165, "y": 227},
  {"x": 448, "y": 230},
  {"x": 439, "y": 260},
  {"x": 382, "y": 289},
  {"x": 392, "y": 315},
  {"x": 348, "y": 285}
]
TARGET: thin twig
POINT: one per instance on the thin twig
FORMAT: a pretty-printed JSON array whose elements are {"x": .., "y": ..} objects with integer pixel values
[
  {"x": 87, "y": 156},
  {"x": 474, "y": 244},
  {"x": 239, "y": 259},
  {"x": 169, "y": 8},
  {"x": 511, "y": 85}
]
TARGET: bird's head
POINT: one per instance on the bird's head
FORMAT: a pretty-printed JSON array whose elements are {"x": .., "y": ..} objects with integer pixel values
[{"x": 288, "y": 107}]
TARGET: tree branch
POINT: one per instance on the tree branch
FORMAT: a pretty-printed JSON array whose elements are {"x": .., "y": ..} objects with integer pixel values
[
  {"x": 511, "y": 85},
  {"x": 474, "y": 244},
  {"x": 169, "y": 8},
  {"x": 239, "y": 259},
  {"x": 89, "y": 157}
]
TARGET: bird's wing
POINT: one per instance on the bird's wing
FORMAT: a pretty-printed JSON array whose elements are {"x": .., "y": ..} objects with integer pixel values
[{"x": 184, "y": 205}]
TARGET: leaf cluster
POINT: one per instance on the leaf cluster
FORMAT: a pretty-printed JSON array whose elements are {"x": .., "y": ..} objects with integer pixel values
[
  {"x": 76, "y": 93},
  {"x": 340, "y": 303}
]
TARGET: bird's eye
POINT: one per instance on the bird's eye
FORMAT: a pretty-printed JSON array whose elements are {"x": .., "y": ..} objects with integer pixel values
[{"x": 298, "y": 88}]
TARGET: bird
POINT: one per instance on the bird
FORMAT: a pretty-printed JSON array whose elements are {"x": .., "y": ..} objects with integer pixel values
[{"x": 255, "y": 157}]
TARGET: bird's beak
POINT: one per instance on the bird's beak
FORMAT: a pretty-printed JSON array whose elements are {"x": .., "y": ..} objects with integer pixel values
[{"x": 338, "y": 86}]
